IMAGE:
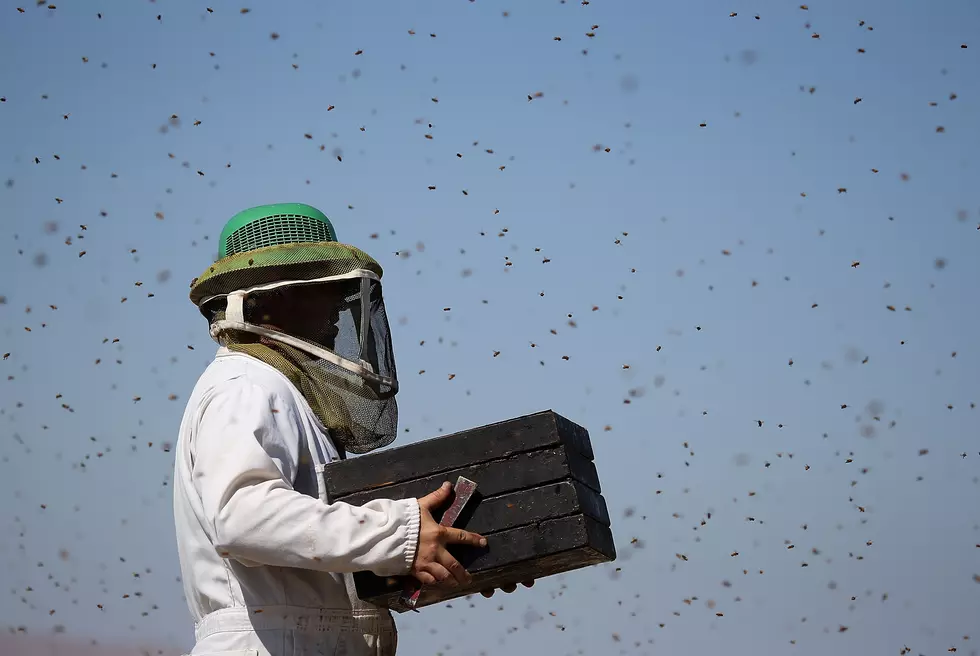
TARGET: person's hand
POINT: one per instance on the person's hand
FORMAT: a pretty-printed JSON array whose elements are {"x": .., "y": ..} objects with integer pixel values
[
  {"x": 433, "y": 563},
  {"x": 507, "y": 588}
]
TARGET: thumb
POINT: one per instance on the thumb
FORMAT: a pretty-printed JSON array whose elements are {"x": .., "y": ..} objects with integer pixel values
[{"x": 436, "y": 498}]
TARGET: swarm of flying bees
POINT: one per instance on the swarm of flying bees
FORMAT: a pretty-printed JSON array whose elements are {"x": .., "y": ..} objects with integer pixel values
[{"x": 664, "y": 265}]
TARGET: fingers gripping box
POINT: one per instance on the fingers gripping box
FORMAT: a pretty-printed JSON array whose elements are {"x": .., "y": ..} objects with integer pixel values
[{"x": 537, "y": 501}]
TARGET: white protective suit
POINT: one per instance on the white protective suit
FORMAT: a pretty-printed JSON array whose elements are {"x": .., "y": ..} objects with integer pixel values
[{"x": 265, "y": 560}]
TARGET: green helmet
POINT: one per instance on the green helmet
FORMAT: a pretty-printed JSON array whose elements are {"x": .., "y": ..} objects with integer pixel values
[
  {"x": 270, "y": 243},
  {"x": 347, "y": 376},
  {"x": 273, "y": 225}
]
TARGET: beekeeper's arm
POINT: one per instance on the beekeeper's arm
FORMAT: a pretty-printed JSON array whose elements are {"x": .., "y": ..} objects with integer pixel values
[{"x": 246, "y": 455}]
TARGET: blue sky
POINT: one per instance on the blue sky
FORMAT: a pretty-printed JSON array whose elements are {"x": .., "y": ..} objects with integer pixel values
[{"x": 677, "y": 219}]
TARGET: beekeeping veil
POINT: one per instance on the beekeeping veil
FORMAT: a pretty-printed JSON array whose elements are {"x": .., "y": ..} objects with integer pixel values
[{"x": 284, "y": 291}]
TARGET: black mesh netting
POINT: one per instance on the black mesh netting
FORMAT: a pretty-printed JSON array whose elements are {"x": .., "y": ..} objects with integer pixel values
[{"x": 358, "y": 408}]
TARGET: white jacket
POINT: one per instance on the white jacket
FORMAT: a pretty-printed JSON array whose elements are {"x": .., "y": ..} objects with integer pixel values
[{"x": 265, "y": 560}]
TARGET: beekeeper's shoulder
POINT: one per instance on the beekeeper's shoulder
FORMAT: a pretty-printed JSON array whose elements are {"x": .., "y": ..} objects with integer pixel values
[{"x": 230, "y": 370}]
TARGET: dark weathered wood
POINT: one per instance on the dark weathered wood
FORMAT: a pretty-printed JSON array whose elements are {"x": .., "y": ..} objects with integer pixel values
[
  {"x": 531, "y": 541},
  {"x": 575, "y": 435},
  {"x": 494, "y": 579},
  {"x": 537, "y": 500},
  {"x": 592, "y": 503},
  {"x": 529, "y": 552},
  {"x": 507, "y": 511},
  {"x": 451, "y": 452},
  {"x": 517, "y": 472},
  {"x": 583, "y": 470}
]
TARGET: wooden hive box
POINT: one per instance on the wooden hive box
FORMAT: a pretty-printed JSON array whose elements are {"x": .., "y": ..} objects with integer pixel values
[{"x": 537, "y": 502}]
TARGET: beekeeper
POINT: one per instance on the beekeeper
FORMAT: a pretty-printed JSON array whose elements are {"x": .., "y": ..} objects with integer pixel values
[{"x": 304, "y": 375}]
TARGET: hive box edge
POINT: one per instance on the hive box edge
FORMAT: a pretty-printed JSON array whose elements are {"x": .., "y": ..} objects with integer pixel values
[
  {"x": 391, "y": 466},
  {"x": 592, "y": 539},
  {"x": 533, "y": 506},
  {"x": 492, "y": 477},
  {"x": 498, "y": 578}
]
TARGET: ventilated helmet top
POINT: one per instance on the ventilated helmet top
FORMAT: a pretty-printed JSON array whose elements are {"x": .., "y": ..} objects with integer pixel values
[{"x": 272, "y": 225}]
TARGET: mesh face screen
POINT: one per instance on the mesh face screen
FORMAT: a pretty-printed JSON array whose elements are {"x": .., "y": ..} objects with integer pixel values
[
  {"x": 278, "y": 229},
  {"x": 361, "y": 414}
]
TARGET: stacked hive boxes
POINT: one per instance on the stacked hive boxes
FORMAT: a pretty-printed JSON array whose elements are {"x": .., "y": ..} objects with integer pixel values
[{"x": 538, "y": 501}]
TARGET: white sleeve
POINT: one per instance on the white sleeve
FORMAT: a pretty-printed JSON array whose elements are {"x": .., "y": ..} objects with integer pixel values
[{"x": 246, "y": 455}]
